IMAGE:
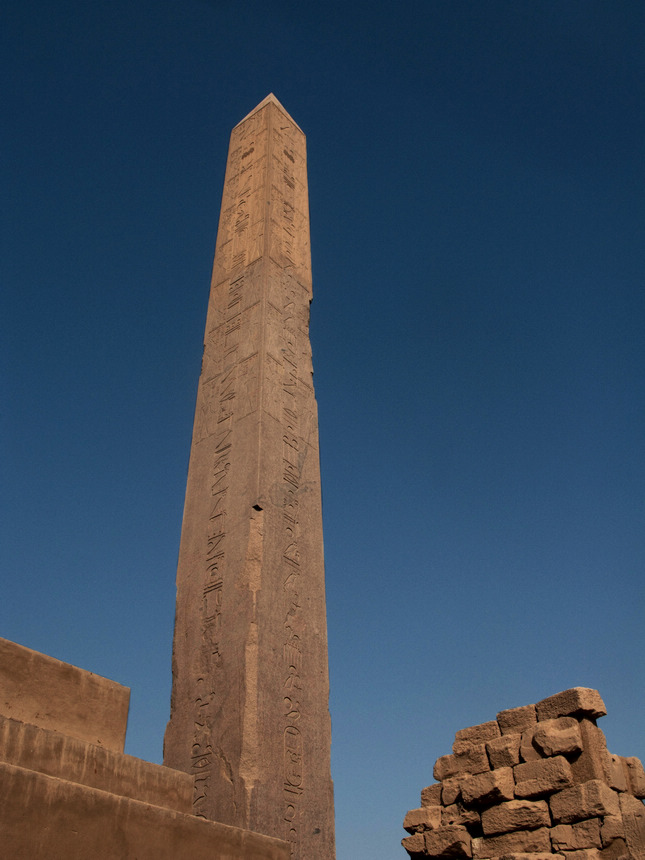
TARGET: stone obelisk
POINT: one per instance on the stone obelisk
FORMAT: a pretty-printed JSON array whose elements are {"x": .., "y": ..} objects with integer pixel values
[{"x": 249, "y": 712}]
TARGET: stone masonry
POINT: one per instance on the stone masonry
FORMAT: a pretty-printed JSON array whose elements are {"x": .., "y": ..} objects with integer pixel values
[{"x": 535, "y": 783}]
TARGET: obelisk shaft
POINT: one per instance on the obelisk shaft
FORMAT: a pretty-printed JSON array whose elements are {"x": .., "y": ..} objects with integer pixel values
[{"x": 249, "y": 713}]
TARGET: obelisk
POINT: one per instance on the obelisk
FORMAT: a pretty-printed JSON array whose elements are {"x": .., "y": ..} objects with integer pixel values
[{"x": 249, "y": 712}]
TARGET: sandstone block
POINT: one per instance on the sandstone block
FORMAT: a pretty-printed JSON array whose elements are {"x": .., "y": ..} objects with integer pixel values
[
  {"x": 424, "y": 818},
  {"x": 571, "y": 837},
  {"x": 612, "y": 827},
  {"x": 431, "y": 795},
  {"x": 415, "y": 845},
  {"x": 451, "y": 790},
  {"x": 471, "y": 757},
  {"x": 537, "y": 778},
  {"x": 451, "y": 841},
  {"x": 445, "y": 767},
  {"x": 635, "y": 776},
  {"x": 529, "y": 752},
  {"x": 523, "y": 855},
  {"x": 578, "y": 700},
  {"x": 504, "y": 751},
  {"x": 584, "y": 854},
  {"x": 595, "y": 760},
  {"x": 522, "y": 841},
  {"x": 588, "y": 800},
  {"x": 633, "y": 813},
  {"x": 484, "y": 789},
  {"x": 515, "y": 815},
  {"x": 457, "y": 813},
  {"x": 59, "y": 697},
  {"x": 618, "y": 850},
  {"x": 478, "y": 734},
  {"x": 618, "y": 778},
  {"x": 514, "y": 721},
  {"x": 560, "y": 736}
]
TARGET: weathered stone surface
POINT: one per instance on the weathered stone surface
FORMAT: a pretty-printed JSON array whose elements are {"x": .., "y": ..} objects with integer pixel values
[
  {"x": 595, "y": 761},
  {"x": 424, "y": 818},
  {"x": 415, "y": 845},
  {"x": 50, "y": 694},
  {"x": 451, "y": 841},
  {"x": 612, "y": 827},
  {"x": 578, "y": 700},
  {"x": 65, "y": 757},
  {"x": 471, "y": 757},
  {"x": 249, "y": 714},
  {"x": 618, "y": 850},
  {"x": 431, "y": 795},
  {"x": 583, "y": 854},
  {"x": 457, "y": 813},
  {"x": 618, "y": 773},
  {"x": 478, "y": 734},
  {"x": 525, "y": 841},
  {"x": 451, "y": 790},
  {"x": 591, "y": 799},
  {"x": 570, "y": 837},
  {"x": 633, "y": 814},
  {"x": 445, "y": 767},
  {"x": 515, "y": 815},
  {"x": 538, "y": 778},
  {"x": 504, "y": 751},
  {"x": 635, "y": 776},
  {"x": 45, "y": 817},
  {"x": 560, "y": 736},
  {"x": 528, "y": 751},
  {"x": 523, "y": 855},
  {"x": 484, "y": 789},
  {"x": 514, "y": 721}
]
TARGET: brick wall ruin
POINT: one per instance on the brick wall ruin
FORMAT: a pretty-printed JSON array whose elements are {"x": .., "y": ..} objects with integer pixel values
[{"x": 536, "y": 783}]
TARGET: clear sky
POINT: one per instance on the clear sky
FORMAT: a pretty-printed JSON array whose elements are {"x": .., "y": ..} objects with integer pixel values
[{"x": 477, "y": 206}]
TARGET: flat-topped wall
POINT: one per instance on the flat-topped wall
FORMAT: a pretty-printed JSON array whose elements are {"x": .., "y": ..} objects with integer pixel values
[
  {"x": 48, "y": 693},
  {"x": 535, "y": 783}
]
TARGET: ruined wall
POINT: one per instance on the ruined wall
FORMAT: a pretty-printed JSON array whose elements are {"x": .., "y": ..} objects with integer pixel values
[{"x": 535, "y": 783}]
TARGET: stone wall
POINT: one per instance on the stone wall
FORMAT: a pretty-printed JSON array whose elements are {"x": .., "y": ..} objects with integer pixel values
[{"x": 535, "y": 783}]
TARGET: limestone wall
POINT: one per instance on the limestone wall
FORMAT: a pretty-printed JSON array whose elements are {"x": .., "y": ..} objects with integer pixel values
[{"x": 535, "y": 783}]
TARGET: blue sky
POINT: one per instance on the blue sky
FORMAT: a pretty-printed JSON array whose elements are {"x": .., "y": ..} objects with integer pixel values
[{"x": 476, "y": 189}]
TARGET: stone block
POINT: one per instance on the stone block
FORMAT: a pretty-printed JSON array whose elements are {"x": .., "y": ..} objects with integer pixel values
[
  {"x": 50, "y": 694},
  {"x": 635, "y": 776},
  {"x": 445, "y": 767},
  {"x": 514, "y": 721},
  {"x": 595, "y": 760},
  {"x": 618, "y": 779},
  {"x": 633, "y": 814},
  {"x": 457, "y": 813},
  {"x": 504, "y": 751},
  {"x": 415, "y": 845},
  {"x": 560, "y": 736},
  {"x": 515, "y": 815},
  {"x": 53, "y": 754},
  {"x": 478, "y": 734},
  {"x": 529, "y": 752},
  {"x": 431, "y": 795},
  {"x": 612, "y": 827},
  {"x": 471, "y": 757},
  {"x": 571, "y": 837},
  {"x": 618, "y": 850},
  {"x": 424, "y": 818},
  {"x": 591, "y": 799},
  {"x": 451, "y": 790},
  {"x": 583, "y": 854},
  {"x": 521, "y": 841},
  {"x": 523, "y": 855},
  {"x": 582, "y": 701},
  {"x": 45, "y": 817},
  {"x": 451, "y": 841},
  {"x": 539, "y": 778},
  {"x": 485, "y": 789}
]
